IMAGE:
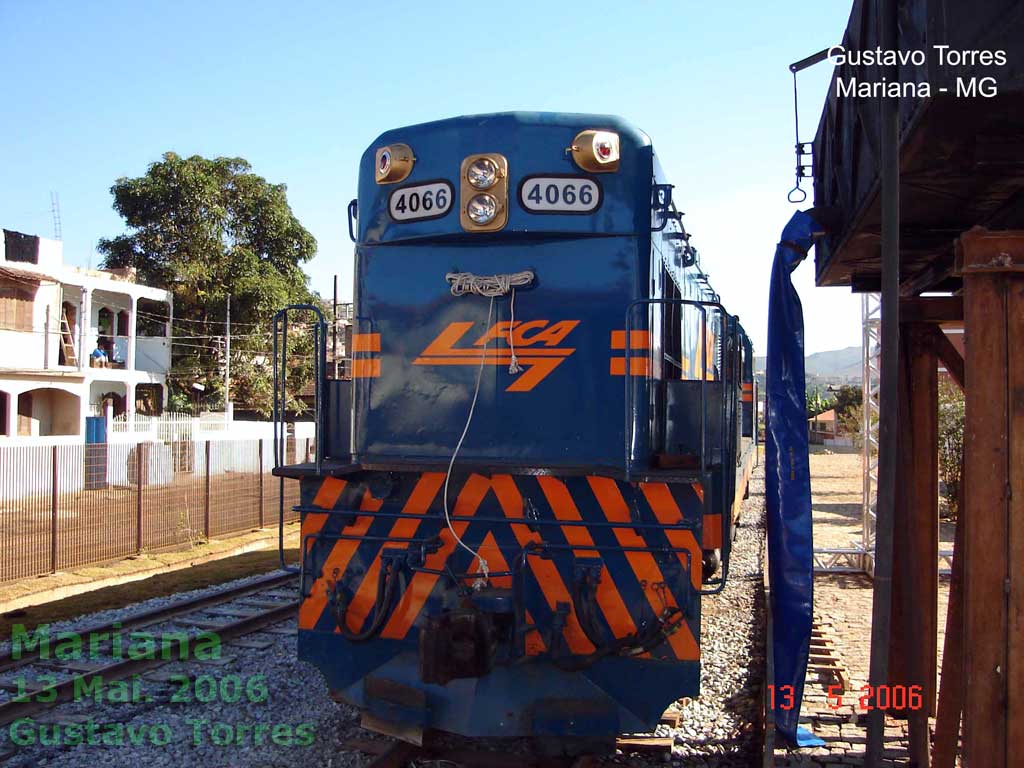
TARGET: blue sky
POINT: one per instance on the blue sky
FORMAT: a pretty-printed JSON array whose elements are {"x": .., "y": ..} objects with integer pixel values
[{"x": 94, "y": 91}]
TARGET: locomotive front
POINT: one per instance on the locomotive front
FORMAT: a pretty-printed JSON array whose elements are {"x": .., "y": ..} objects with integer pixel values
[{"x": 490, "y": 546}]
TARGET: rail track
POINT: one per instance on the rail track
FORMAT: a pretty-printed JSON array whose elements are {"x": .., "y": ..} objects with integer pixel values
[{"x": 230, "y": 613}]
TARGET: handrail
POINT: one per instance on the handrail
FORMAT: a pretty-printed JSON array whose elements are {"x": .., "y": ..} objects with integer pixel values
[
  {"x": 280, "y": 402},
  {"x": 629, "y": 405}
]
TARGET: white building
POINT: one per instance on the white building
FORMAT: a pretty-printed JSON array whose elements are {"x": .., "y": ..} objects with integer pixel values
[{"x": 52, "y": 318}]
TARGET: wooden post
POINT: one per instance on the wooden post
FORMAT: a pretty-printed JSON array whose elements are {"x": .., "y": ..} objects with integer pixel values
[
  {"x": 951, "y": 690},
  {"x": 992, "y": 267},
  {"x": 140, "y": 458},
  {"x": 206, "y": 495},
  {"x": 923, "y": 540},
  {"x": 54, "y": 503},
  {"x": 262, "y": 521}
]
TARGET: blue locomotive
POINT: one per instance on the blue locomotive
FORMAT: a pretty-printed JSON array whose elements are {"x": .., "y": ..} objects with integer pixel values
[{"x": 521, "y": 495}]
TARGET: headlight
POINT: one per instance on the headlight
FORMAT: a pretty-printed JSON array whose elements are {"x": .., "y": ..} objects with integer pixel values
[
  {"x": 596, "y": 151},
  {"x": 394, "y": 163},
  {"x": 482, "y": 209},
  {"x": 482, "y": 173}
]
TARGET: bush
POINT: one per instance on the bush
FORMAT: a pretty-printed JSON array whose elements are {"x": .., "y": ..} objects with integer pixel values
[{"x": 951, "y": 440}]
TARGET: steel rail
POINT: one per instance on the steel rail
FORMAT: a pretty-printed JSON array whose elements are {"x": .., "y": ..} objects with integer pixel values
[
  {"x": 64, "y": 691},
  {"x": 158, "y": 615}
]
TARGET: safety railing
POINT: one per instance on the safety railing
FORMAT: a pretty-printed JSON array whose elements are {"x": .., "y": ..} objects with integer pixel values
[
  {"x": 280, "y": 404},
  {"x": 630, "y": 403}
]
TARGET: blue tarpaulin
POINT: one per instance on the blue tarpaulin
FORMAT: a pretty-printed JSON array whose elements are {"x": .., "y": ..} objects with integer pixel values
[{"x": 788, "y": 483}]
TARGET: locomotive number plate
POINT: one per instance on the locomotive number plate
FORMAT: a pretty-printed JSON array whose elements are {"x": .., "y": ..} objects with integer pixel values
[
  {"x": 559, "y": 194},
  {"x": 421, "y": 201}
]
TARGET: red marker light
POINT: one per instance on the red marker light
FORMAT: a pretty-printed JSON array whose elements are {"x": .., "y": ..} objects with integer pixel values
[{"x": 604, "y": 149}]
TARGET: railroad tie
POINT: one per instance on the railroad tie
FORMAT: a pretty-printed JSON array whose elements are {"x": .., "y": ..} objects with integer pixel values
[{"x": 823, "y": 657}]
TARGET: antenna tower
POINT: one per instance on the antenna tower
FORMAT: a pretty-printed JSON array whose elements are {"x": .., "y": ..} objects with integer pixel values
[{"x": 58, "y": 233}]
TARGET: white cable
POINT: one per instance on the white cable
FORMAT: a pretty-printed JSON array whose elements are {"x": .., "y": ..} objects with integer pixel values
[
  {"x": 513, "y": 367},
  {"x": 487, "y": 285},
  {"x": 458, "y": 446},
  {"x": 491, "y": 286}
]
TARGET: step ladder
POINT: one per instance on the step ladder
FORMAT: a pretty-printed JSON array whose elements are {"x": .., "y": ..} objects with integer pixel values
[{"x": 67, "y": 340}]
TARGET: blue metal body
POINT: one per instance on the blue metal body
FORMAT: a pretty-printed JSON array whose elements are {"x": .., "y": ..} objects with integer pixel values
[{"x": 593, "y": 481}]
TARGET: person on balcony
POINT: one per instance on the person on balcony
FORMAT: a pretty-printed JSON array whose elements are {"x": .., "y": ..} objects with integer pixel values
[{"x": 99, "y": 358}]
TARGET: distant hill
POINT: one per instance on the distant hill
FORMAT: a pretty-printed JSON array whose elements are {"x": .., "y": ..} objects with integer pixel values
[{"x": 838, "y": 364}]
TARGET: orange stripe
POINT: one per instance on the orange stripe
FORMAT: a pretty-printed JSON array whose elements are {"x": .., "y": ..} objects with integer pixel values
[
  {"x": 334, "y": 566},
  {"x": 544, "y": 571},
  {"x": 422, "y": 584},
  {"x": 699, "y": 490},
  {"x": 638, "y": 366},
  {"x": 534, "y": 642},
  {"x": 637, "y": 340},
  {"x": 312, "y": 522},
  {"x": 341, "y": 553},
  {"x": 476, "y": 354},
  {"x": 329, "y": 493},
  {"x": 748, "y": 387},
  {"x": 366, "y": 342},
  {"x": 417, "y": 504},
  {"x": 747, "y": 398},
  {"x": 491, "y": 552},
  {"x": 712, "y": 535},
  {"x": 665, "y": 509},
  {"x": 608, "y": 597},
  {"x": 644, "y": 566},
  {"x": 365, "y": 368}
]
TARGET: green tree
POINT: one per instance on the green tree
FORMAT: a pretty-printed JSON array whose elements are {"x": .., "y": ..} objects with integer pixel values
[
  {"x": 847, "y": 397},
  {"x": 816, "y": 404},
  {"x": 207, "y": 229}
]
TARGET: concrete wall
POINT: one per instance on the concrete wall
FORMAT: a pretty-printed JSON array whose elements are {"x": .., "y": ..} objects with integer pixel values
[
  {"x": 153, "y": 354},
  {"x": 34, "y": 349},
  {"x": 53, "y": 412}
]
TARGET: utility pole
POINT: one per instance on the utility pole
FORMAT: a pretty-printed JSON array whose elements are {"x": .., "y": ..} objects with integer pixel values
[
  {"x": 227, "y": 359},
  {"x": 889, "y": 411},
  {"x": 334, "y": 329}
]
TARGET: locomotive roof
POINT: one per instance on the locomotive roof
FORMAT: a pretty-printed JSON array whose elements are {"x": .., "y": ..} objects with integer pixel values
[{"x": 510, "y": 121}]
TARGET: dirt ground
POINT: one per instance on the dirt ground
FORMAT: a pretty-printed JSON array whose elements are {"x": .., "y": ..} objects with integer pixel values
[{"x": 842, "y": 603}]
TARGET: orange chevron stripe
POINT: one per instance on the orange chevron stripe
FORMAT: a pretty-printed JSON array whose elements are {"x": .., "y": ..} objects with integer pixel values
[
  {"x": 491, "y": 552},
  {"x": 422, "y": 584},
  {"x": 544, "y": 571},
  {"x": 329, "y": 493},
  {"x": 562, "y": 505},
  {"x": 312, "y": 522},
  {"x": 326, "y": 497},
  {"x": 335, "y": 564},
  {"x": 667, "y": 511},
  {"x": 608, "y": 597},
  {"x": 417, "y": 504},
  {"x": 644, "y": 566},
  {"x": 699, "y": 490}
]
